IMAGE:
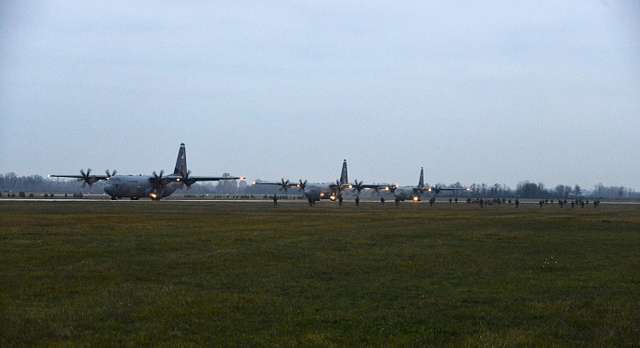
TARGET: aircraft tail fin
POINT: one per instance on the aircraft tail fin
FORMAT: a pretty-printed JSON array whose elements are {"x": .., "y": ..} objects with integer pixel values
[
  {"x": 181, "y": 162},
  {"x": 421, "y": 180},
  {"x": 344, "y": 177}
]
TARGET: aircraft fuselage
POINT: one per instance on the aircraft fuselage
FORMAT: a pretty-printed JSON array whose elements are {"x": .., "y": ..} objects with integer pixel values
[
  {"x": 407, "y": 193},
  {"x": 317, "y": 192},
  {"x": 138, "y": 186}
]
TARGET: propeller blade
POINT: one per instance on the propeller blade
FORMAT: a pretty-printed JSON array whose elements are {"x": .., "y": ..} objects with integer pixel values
[
  {"x": 86, "y": 178},
  {"x": 284, "y": 184}
]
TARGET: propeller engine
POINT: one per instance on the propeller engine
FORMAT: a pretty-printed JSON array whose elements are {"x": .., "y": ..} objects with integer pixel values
[
  {"x": 87, "y": 178},
  {"x": 357, "y": 186},
  {"x": 187, "y": 180},
  {"x": 158, "y": 181},
  {"x": 302, "y": 184},
  {"x": 284, "y": 184},
  {"x": 110, "y": 174}
]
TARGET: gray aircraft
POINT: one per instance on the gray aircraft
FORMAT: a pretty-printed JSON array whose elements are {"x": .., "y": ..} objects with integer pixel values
[
  {"x": 155, "y": 186},
  {"x": 415, "y": 193},
  {"x": 315, "y": 192}
]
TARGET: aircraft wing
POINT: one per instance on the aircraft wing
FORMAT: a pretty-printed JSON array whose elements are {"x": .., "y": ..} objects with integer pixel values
[
  {"x": 97, "y": 177},
  {"x": 288, "y": 184},
  {"x": 85, "y": 177},
  {"x": 214, "y": 178},
  {"x": 360, "y": 186},
  {"x": 438, "y": 189},
  {"x": 376, "y": 186}
]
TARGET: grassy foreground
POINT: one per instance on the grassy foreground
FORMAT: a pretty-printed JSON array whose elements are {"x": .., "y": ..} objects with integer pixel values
[{"x": 175, "y": 273}]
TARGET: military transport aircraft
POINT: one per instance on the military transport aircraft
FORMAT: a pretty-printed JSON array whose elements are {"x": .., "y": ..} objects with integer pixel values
[
  {"x": 154, "y": 186},
  {"x": 414, "y": 193},
  {"x": 315, "y": 192}
]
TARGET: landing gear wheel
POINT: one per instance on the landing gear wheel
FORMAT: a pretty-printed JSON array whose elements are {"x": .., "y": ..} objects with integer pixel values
[{"x": 113, "y": 198}]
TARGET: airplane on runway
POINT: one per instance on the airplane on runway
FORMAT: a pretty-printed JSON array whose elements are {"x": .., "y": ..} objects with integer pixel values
[
  {"x": 315, "y": 192},
  {"x": 414, "y": 193},
  {"x": 155, "y": 186}
]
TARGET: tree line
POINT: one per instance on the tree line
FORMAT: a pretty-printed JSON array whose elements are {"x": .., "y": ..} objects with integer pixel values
[{"x": 10, "y": 182}]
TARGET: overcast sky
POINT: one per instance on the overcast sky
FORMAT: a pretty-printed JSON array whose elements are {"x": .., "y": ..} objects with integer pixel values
[{"x": 474, "y": 91}]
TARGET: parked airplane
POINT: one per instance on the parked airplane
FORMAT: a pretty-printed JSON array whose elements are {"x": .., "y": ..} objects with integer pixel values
[
  {"x": 414, "y": 193},
  {"x": 314, "y": 192},
  {"x": 154, "y": 186}
]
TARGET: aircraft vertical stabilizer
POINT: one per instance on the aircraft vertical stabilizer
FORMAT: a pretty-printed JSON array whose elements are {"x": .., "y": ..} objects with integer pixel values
[
  {"x": 344, "y": 177},
  {"x": 181, "y": 162},
  {"x": 421, "y": 180}
]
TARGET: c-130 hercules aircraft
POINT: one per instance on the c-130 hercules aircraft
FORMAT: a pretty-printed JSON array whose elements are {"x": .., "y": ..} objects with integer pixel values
[
  {"x": 315, "y": 192},
  {"x": 154, "y": 186},
  {"x": 402, "y": 193},
  {"x": 334, "y": 191}
]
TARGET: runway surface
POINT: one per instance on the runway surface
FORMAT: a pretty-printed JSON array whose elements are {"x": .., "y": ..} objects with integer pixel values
[{"x": 281, "y": 201}]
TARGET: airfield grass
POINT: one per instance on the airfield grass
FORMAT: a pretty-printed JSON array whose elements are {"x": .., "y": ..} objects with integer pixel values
[{"x": 247, "y": 274}]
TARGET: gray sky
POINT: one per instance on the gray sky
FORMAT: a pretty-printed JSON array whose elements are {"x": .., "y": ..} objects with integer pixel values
[{"x": 474, "y": 91}]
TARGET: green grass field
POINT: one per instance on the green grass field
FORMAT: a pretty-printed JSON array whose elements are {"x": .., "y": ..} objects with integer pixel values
[{"x": 229, "y": 274}]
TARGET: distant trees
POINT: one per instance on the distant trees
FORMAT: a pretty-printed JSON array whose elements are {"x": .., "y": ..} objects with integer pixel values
[
  {"x": 577, "y": 190},
  {"x": 227, "y": 186},
  {"x": 528, "y": 189},
  {"x": 563, "y": 191},
  {"x": 612, "y": 192},
  {"x": 10, "y": 182},
  {"x": 36, "y": 183}
]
